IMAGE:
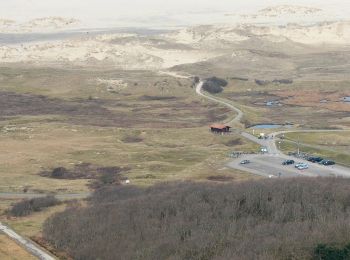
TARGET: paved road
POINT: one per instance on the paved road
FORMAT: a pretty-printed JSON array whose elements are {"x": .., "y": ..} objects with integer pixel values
[
  {"x": 19, "y": 195},
  {"x": 25, "y": 243},
  {"x": 236, "y": 119},
  {"x": 270, "y": 164}
]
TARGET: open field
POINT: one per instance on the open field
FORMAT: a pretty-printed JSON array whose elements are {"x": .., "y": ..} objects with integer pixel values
[
  {"x": 154, "y": 155},
  {"x": 153, "y": 126},
  {"x": 9, "y": 250},
  {"x": 308, "y": 104},
  {"x": 112, "y": 98},
  {"x": 112, "y": 121}
]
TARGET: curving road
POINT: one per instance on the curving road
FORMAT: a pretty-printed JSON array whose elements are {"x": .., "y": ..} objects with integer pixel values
[
  {"x": 236, "y": 119},
  {"x": 270, "y": 164}
]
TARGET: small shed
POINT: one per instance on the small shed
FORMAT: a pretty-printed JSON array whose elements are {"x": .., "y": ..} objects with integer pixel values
[{"x": 220, "y": 128}]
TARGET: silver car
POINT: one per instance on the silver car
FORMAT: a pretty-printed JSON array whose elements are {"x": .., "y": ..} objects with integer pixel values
[
  {"x": 245, "y": 162},
  {"x": 302, "y": 166}
]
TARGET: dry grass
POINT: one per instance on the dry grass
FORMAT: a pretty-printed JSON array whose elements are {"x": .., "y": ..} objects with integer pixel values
[
  {"x": 32, "y": 225},
  {"x": 301, "y": 102},
  {"x": 59, "y": 118},
  {"x": 40, "y": 146},
  {"x": 330, "y": 145},
  {"x": 9, "y": 250}
]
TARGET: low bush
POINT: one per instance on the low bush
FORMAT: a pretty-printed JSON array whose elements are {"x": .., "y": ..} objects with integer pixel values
[
  {"x": 262, "y": 82},
  {"x": 81, "y": 171},
  {"x": 283, "y": 81},
  {"x": 214, "y": 85},
  {"x": 27, "y": 207},
  {"x": 239, "y": 78},
  {"x": 155, "y": 98},
  {"x": 234, "y": 142},
  {"x": 132, "y": 139},
  {"x": 326, "y": 252}
]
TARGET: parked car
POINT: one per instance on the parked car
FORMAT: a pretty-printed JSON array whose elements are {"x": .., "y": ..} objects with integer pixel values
[
  {"x": 315, "y": 159},
  {"x": 288, "y": 162},
  {"x": 302, "y": 166},
  {"x": 327, "y": 162},
  {"x": 245, "y": 162},
  {"x": 263, "y": 149}
]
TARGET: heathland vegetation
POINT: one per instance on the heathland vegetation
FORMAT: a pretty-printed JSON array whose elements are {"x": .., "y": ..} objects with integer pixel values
[{"x": 270, "y": 219}]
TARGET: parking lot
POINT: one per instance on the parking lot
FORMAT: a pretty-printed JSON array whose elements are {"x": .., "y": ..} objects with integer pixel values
[{"x": 271, "y": 166}]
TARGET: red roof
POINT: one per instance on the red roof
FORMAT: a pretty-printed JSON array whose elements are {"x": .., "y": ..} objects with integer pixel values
[{"x": 219, "y": 126}]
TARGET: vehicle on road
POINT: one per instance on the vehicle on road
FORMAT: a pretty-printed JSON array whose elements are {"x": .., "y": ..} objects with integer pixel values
[
  {"x": 314, "y": 159},
  {"x": 302, "y": 166},
  {"x": 327, "y": 162},
  {"x": 245, "y": 162},
  {"x": 288, "y": 162},
  {"x": 263, "y": 149}
]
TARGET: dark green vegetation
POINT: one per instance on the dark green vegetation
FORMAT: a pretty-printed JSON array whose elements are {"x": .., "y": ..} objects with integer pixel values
[
  {"x": 214, "y": 85},
  {"x": 270, "y": 219},
  {"x": 98, "y": 176},
  {"x": 27, "y": 207},
  {"x": 324, "y": 252}
]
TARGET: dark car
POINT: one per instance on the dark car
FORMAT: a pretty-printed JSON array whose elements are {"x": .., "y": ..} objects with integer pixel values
[
  {"x": 327, "y": 162},
  {"x": 314, "y": 159},
  {"x": 288, "y": 162}
]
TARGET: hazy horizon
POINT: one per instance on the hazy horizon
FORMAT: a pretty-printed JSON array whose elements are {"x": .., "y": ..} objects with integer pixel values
[{"x": 155, "y": 12}]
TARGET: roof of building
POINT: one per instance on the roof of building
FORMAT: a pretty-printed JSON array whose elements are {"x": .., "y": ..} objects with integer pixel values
[{"x": 219, "y": 126}]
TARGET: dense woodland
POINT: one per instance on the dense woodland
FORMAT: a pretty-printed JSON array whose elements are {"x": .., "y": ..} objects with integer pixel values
[{"x": 269, "y": 219}]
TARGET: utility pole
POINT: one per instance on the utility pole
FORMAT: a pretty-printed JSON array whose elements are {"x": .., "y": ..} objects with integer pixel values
[{"x": 298, "y": 143}]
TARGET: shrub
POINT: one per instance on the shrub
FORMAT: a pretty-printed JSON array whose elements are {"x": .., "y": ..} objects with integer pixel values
[
  {"x": 325, "y": 252},
  {"x": 239, "y": 78},
  {"x": 26, "y": 207},
  {"x": 283, "y": 81},
  {"x": 262, "y": 82},
  {"x": 157, "y": 98},
  {"x": 59, "y": 173},
  {"x": 132, "y": 139},
  {"x": 218, "y": 81},
  {"x": 268, "y": 219},
  {"x": 234, "y": 142},
  {"x": 83, "y": 171},
  {"x": 214, "y": 85},
  {"x": 212, "y": 88}
]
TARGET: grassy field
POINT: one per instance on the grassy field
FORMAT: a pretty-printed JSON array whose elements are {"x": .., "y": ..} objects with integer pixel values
[
  {"x": 153, "y": 124},
  {"x": 308, "y": 104},
  {"x": 9, "y": 250},
  {"x": 330, "y": 145},
  {"x": 156, "y": 155}
]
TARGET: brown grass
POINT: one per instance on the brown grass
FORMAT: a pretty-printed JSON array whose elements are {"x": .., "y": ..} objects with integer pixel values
[
  {"x": 9, "y": 250},
  {"x": 300, "y": 102}
]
